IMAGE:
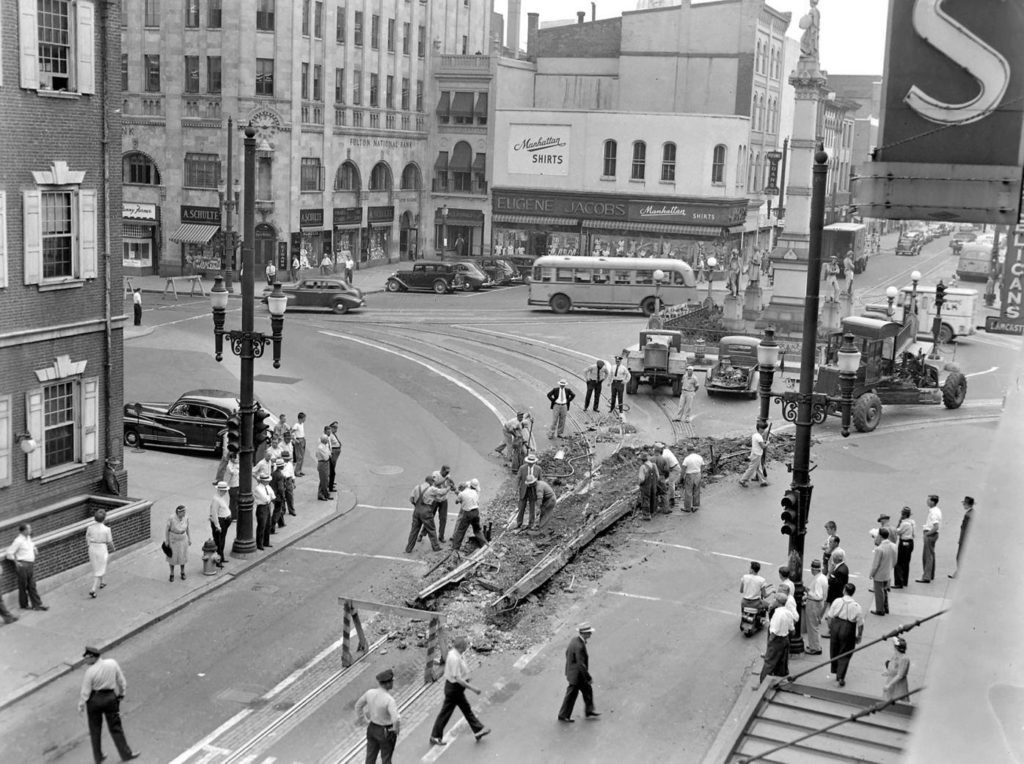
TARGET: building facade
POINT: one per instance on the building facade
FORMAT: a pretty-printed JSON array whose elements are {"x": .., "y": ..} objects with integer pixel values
[
  {"x": 339, "y": 93},
  {"x": 61, "y": 363}
]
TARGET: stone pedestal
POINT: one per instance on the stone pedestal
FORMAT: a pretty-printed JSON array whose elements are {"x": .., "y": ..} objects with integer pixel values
[
  {"x": 830, "y": 318},
  {"x": 752, "y": 303},
  {"x": 732, "y": 313}
]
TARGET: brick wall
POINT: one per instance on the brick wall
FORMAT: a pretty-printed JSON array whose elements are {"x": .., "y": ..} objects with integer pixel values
[{"x": 594, "y": 39}]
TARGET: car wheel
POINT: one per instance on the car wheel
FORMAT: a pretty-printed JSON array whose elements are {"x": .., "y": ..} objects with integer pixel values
[
  {"x": 393, "y": 286},
  {"x": 560, "y": 303},
  {"x": 132, "y": 438},
  {"x": 476, "y": 287},
  {"x": 340, "y": 307},
  {"x": 441, "y": 286}
]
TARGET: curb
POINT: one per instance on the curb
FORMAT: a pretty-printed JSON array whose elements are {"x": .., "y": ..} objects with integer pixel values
[{"x": 56, "y": 673}]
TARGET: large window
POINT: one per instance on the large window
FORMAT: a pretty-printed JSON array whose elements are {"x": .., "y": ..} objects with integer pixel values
[
  {"x": 411, "y": 178},
  {"x": 380, "y": 177},
  {"x": 265, "y": 15},
  {"x": 374, "y": 88},
  {"x": 375, "y": 32},
  {"x": 63, "y": 413},
  {"x": 124, "y": 72},
  {"x": 139, "y": 169},
  {"x": 718, "y": 164},
  {"x": 339, "y": 25},
  {"x": 213, "y": 13},
  {"x": 59, "y": 228},
  {"x": 318, "y": 91},
  {"x": 202, "y": 170},
  {"x": 347, "y": 178},
  {"x": 152, "y": 64},
  {"x": 305, "y": 18},
  {"x": 357, "y": 87},
  {"x": 405, "y": 94},
  {"x": 58, "y": 235},
  {"x": 213, "y": 74},
  {"x": 304, "y": 85},
  {"x": 265, "y": 76},
  {"x": 419, "y": 95},
  {"x": 391, "y": 35},
  {"x": 318, "y": 20},
  {"x": 421, "y": 42},
  {"x": 389, "y": 92},
  {"x": 191, "y": 74},
  {"x": 192, "y": 14},
  {"x": 668, "y": 162},
  {"x": 357, "y": 28},
  {"x": 611, "y": 149},
  {"x": 339, "y": 86},
  {"x": 59, "y": 409},
  {"x": 310, "y": 174},
  {"x": 639, "y": 166},
  {"x": 150, "y": 13},
  {"x": 406, "y": 37}
]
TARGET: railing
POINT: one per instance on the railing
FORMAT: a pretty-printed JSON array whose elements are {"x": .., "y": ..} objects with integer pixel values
[
  {"x": 392, "y": 119},
  {"x": 477, "y": 63}
]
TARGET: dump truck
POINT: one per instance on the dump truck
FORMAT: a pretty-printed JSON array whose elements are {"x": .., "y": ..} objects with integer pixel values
[{"x": 657, "y": 359}]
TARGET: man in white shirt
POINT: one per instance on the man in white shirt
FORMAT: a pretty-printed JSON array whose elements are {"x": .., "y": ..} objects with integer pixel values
[
  {"x": 930, "y": 532},
  {"x": 619, "y": 376},
  {"x": 456, "y": 682},
  {"x": 693, "y": 464},
  {"x": 560, "y": 398},
  {"x": 299, "y": 443},
  {"x": 846, "y": 628},
  {"x": 814, "y": 608},
  {"x": 782, "y": 622},
  {"x": 469, "y": 514},
  {"x": 103, "y": 689},
  {"x": 687, "y": 396},
  {"x": 335, "y": 443},
  {"x": 220, "y": 519},
  {"x": 262, "y": 497},
  {"x": 510, "y": 430},
  {"x": 756, "y": 451},
  {"x": 377, "y": 707},
  {"x": 232, "y": 481},
  {"x": 673, "y": 471},
  {"x": 594, "y": 375},
  {"x": 23, "y": 552},
  {"x": 752, "y": 586}
]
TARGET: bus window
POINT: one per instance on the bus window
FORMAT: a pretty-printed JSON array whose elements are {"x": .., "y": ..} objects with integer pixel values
[
  {"x": 623, "y": 277},
  {"x": 544, "y": 274},
  {"x": 583, "y": 276},
  {"x": 679, "y": 278},
  {"x": 644, "y": 277},
  {"x": 601, "y": 276},
  {"x": 563, "y": 274}
]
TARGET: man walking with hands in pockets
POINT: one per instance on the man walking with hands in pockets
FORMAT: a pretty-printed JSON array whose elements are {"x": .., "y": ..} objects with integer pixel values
[
  {"x": 577, "y": 673},
  {"x": 456, "y": 682}
]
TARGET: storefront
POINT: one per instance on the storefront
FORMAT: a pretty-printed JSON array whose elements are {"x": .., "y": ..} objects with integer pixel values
[
  {"x": 311, "y": 241},
  {"x": 140, "y": 237},
  {"x": 199, "y": 254},
  {"x": 464, "y": 229},
  {"x": 408, "y": 236},
  {"x": 377, "y": 243},
  {"x": 348, "y": 223},
  {"x": 528, "y": 224}
]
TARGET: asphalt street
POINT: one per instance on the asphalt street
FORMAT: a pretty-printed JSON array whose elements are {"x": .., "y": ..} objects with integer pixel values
[{"x": 420, "y": 380}]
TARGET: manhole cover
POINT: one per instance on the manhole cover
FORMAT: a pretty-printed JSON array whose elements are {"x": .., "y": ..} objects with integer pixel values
[{"x": 387, "y": 469}]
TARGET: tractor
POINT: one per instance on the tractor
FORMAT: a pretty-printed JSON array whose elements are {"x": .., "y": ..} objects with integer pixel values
[
  {"x": 890, "y": 372},
  {"x": 658, "y": 359}
]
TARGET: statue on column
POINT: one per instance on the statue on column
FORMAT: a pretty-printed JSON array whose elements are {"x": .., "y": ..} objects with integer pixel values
[{"x": 811, "y": 24}]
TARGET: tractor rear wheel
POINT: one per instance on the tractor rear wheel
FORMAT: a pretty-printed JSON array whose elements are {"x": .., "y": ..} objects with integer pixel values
[
  {"x": 867, "y": 412},
  {"x": 954, "y": 390}
]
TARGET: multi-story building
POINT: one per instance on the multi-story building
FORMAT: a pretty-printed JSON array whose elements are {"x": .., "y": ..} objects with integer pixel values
[
  {"x": 339, "y": 93},
  {"x": 61, "y": 393}
]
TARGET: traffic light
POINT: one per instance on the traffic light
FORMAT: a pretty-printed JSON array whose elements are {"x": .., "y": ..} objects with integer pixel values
[
  {"x": 260, "y": 426},
  {"x": 790, "y": 513},
  {"x": 234, "y": 434},
  {"x": 940, "y": 294}
]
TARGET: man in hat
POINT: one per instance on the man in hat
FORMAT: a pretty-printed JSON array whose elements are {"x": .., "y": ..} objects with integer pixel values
[
  {"x": 883, "y": 522},
  {"x": 832, "y": 278},
  {"x": 560, "y": 398},
  {"x": 904, "y": 538},
  {"x": 323, "y": 467},
  {"x": 848, "y": 269},
  {"x": 671, "y": 473},
  {"x": 469, "y": 515},
  {"x": 526, "y": 479},
  {"x": 968, "y": 505},
  {"x": 619, "y": 376},
  {"x": 335, "y": 443},
  {"x": 930, "y": 531},
  {"x": 693, "y": 466},
  {"x": 513, "y": 428},
  {"x": 262, "y": 498},
  {"x": 577, "y": 674},
  {"x": 595, "y": 375},
  {"x": 882, "y": 563},
  {"x": 423, "y": 498},
  {"x": 379, "y": 711},
  {"x": 443, "y": 479},
  {"x": 288, "y": 468},
  {"x": 279, "y": 482},
  {"x": 782, "y": 621},
  {"x": 814, "y": 607},
  {"x": 687, "y": 396},
  {"x": 103, "y": 689},
  {"x": 648, "y": 479},
  {"x": 548, "y": 501},
  {"x": 299, "y": 441},
  {"x": 456, "y": 682},
  {"x": 220, "y": 519}
]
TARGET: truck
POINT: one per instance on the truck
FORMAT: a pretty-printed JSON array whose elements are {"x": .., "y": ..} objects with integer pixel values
[
  {"x": 657, "y": 359},
  {"x": 839, "y": 238}
]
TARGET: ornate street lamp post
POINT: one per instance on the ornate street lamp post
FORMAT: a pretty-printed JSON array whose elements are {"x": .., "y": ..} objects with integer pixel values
[
  {"x": 712, "y": 263},
  {"x": 911, "y": 307},
  {"x": 659, "y": 277},
  {"x": 767, "y": 358},
  {"x": 890, "y": 295},
  {"x": 444, "y": 229},
  {"x": 248, "y": 345}
]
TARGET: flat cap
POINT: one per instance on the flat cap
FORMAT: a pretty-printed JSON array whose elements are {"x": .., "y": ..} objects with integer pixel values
[
  {"x": 91, "y": 651},
  {"x": 387, "y": 675}
]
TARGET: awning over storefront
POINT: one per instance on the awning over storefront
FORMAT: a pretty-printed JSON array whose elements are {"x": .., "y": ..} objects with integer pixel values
[
  {"x": 705, "y": 231},
  {"x": 193, "y": 233},
  {"x": 480, "y": 163},
  {"x": 462, "y": 157},
  {"x": 481, "y": 104},
  {"x": 533, "y": 220},
  {"x": 462, "y": 105},
  {"x": 441, "y": 165},
  {"x": 443, "y": 104}
]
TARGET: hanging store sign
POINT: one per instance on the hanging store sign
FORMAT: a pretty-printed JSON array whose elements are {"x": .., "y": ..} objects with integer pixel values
[
  {"x": 138, "y": 211},
  {"x": 538, "y": 149},
  {"x": 203, "y": 215},
  {"x": 311, "y": 218}
]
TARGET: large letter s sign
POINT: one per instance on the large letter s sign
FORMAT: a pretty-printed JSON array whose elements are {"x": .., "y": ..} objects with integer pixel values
[{"x": 977, "y": 57}]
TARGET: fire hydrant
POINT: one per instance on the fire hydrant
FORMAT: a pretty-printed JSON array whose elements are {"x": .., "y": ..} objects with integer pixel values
[{"x": 210, "y": 557}]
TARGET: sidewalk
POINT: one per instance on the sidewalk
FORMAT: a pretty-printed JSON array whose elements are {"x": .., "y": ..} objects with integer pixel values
[{"x": 43, "y": 646}]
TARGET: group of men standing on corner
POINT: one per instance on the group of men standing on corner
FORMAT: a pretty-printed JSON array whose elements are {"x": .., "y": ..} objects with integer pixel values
[{"x": 595, "y": 375}]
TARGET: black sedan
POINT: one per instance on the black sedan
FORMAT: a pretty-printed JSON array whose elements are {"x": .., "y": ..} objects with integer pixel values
[
  {"x": 196, "y": 421},
  {"x": 335, "y": 294}
]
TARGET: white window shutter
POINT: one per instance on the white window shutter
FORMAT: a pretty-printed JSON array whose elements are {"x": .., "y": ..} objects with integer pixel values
[
  {"x": 85, "y": 71},
  {"x": 3, "y": 239},
  {"x": 87, "y": 233},
  {"x": 6, "y": 440},
  {"x": 32, "y": 202},
  {"x": 29, "y": 43},
  {"x": 90, "y": 418},
  {"x": 34, "y": 424}
]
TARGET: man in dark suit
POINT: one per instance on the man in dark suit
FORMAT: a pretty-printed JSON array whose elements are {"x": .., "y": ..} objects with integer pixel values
[
  {"x": 560, "y": 398},
  {"x": 838, "y": 577},
  {"x": 577, "y": 673}
]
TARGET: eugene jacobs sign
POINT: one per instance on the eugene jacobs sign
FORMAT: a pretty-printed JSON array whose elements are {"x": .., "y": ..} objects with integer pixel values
[{"x": 539, "y": 149}]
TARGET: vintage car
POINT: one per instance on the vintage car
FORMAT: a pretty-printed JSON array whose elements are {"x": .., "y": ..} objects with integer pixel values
[
  {"x": 908, "y": 245},
  {"x": 472, "y": 275},
  {"x": 196, "y": 421},
  {"x": 501, "y": 272},
  {"x": 735, "y": 372},
  {"x": 334, "y": 294},
  {"x": 431, "y": 275}
]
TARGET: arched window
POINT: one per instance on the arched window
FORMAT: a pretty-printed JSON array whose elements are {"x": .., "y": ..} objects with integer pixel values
[
  {"x": 718, "y": 164},
  {"x": 347, "y": 178},
  {"x": 411, "y": 180},
  {"x": 668, "y": 162},
  {"x": 138, "y": 168},
  {"x": 639, "y": 160},
  {"x": 773, "y": 115},
  {"x": 461, "y": 167},
  {"x": 758, "y": 60},
  {"x": 751, "y": 169},
  {"x": 380, "y": 177},
  {"x": 266, "y": 243},
  {"x": 611, "y": 149}
]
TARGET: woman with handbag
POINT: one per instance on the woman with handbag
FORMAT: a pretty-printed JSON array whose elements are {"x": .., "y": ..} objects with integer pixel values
[
  {"x": 178, "y": 539},
  {"x": 100, "y": 541}
]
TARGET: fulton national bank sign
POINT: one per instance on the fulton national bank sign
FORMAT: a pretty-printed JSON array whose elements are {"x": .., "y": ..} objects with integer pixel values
[{"x": 950, "y": 137}]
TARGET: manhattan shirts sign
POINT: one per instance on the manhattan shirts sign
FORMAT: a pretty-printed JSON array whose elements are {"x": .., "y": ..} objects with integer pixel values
[{"x": 538, "y": 149}]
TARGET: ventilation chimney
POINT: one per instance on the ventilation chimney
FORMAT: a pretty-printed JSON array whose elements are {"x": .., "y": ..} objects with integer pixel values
[
  {"x": 532, "y": 38},
  {"x": 515, "y": 11},
  {"x": 581, "y": 16},
  {"x": 593, "y": 11}
]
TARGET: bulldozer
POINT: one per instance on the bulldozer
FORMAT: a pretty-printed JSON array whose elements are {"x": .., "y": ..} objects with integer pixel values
[
  {"x": 658, "y": 359},
  {"x": 891, "y": 372}
]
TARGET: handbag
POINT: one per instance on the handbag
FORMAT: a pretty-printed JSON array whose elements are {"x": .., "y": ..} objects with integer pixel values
[{"x": 166, "y": 549}]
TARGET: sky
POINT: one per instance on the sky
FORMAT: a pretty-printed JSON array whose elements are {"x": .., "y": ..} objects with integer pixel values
[{"x": 852, "y": 31}]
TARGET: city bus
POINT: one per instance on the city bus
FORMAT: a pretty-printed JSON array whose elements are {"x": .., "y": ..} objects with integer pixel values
[{"x": 618, "y": 283}]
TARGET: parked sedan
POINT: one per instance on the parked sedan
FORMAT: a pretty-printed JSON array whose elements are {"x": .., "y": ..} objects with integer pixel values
[
  {"x": 473, "y": 277},
  {"x": 335, "y": 294},
  {"x": 501, "y": 272},
  {"x": 196, "y": 421}
]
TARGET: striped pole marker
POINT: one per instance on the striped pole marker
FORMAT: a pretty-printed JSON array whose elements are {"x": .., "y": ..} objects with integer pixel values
[
  {"x": 346, "y": 630},
  {"x": 433, "y": 636}
]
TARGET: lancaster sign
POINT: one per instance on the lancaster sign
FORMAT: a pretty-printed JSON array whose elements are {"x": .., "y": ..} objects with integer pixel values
[
  {"x": 950, "y": 134},
  {"x": 538, "y": 149}
]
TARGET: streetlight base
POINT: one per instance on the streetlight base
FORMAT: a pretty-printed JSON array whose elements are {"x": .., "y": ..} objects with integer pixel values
[{"x": 243, "y": 549}]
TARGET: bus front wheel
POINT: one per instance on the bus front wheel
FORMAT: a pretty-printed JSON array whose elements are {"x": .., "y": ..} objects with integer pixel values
[
  {"x": 649, "y": 306},
  {"x": 560, "y": 303}
]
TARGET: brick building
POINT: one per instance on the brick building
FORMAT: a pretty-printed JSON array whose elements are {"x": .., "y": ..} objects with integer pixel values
[
  {"x": 61, "y": 367},
  {"x": 341, "y": 95}
]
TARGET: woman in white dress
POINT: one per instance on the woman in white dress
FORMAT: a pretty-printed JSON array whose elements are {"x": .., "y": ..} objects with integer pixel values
[{"x": 100, "y": 541}]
